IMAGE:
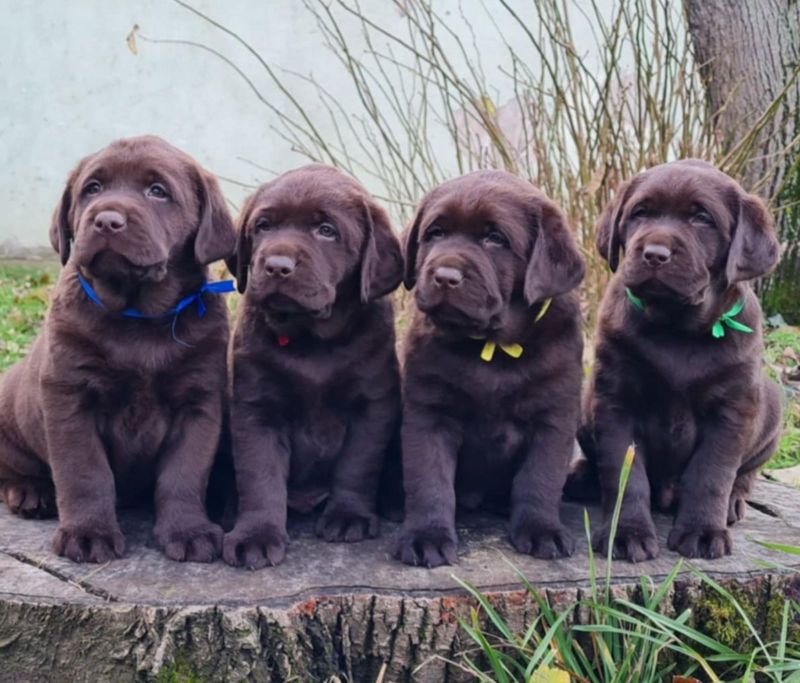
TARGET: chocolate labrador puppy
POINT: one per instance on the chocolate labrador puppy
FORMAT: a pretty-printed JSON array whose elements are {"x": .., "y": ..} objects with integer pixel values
[
  {"x": 493, "y": 364},
  {"x": 316, "y": 394},
  {"x": 121, "y": 395},
  {"x": 678, "y": 367}
]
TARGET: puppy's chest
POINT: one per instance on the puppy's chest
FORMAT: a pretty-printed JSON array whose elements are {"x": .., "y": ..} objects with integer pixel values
[
  {"x": 318, "y": 406},
  {"x": 134, "y": 412}
]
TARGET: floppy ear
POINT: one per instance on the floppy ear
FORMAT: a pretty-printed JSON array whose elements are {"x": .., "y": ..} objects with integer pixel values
[
  {"x": 410, "y": 240},
  {"x": 215, "y": 235},
  {"x": 754, "y": 249},
  {"x": 381, "y": 260},
  {"x": 555, "y": 266},
  {"x": 607, "y": 229},
  {"x": 238, "y": 261},
  {"x": 61, "y": 232}
]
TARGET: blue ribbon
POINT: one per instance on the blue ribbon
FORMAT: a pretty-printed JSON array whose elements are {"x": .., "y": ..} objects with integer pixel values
[{"x": 221, "y": 287}]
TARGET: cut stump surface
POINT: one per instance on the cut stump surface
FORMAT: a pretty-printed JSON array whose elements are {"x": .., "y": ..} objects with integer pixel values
[{"x": 330, "y": 609}]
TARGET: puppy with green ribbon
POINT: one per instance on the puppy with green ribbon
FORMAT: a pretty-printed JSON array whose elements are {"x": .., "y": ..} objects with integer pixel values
[
  {"x": 678, "y": 365},
  {"x": 492, "y": 365}
]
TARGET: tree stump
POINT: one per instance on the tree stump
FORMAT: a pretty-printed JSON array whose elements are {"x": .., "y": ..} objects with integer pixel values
[{"x": 329, "y": 610}]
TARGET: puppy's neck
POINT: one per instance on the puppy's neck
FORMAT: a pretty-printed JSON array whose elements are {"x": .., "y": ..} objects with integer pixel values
[
  {"x": 522, "y": 322},
  {"x": 344, "y": 318},
  {"x": 151, "y": 298},
  {"x": 693, "y": 318}
]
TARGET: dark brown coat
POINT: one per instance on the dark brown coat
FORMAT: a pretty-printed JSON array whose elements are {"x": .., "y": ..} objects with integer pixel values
[
  {"x": 316, "y": 388},
  {"x": 699, "y": 408},
  {"x": 484, "y": 255},
  {"x": 108, "y": 408}
]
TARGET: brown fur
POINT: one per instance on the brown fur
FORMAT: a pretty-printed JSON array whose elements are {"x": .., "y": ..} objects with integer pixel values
[
  {"x": 311, "y": 418},
  {"x": 483, "y": 254},
  {"x": 107, "y": 408},
  {"x": 700, "y": 410}
]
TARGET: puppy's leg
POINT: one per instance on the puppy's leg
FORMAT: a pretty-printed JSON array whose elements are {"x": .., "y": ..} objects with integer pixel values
[
  {"x": 85, "y": 491},
  {"x": 350, "y": 511},
  {"x": 536, "y": 527},
  {"x": 635, "y": 537},
  {"x": 430, "y": 454},
  {"x": 700, "y": 528},
  {"x": 261, "y": 461},
  {"x": 737, "y": 505},
  {"x": 25, "y": 482},
  {"x": 772, "y": 410},
  {"x": 183, "y": 530}
]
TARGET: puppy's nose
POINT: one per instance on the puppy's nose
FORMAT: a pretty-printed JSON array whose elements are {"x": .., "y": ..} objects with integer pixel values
[
  {"x": 109, "y": 222},
  {"x": 280, "y": 266},
  {"x": 445, "y": 276},
  {"x": 656, "y": 255}
]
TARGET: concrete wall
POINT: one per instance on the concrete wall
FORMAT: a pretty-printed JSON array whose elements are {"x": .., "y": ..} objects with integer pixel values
[{"x": 69, "y": 85}]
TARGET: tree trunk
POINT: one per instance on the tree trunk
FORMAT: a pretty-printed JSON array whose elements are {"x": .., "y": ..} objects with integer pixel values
[{"x": 749, "y": 51}]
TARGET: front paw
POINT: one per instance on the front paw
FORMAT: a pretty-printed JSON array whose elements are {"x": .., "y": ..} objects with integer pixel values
[
  {"x": 30, "y": 498},
  {"x": 89, "y": 542},
  {"x": 255, "y": 543},
  {"x": 635, "y": 540},
  {"x": 190, "y": 539},
  {"x": 699, "y": 541},
  {"x": 430, "y": 546},
  {"x": 545, "y": 541},
  {"x": 342, "y": 525},
  {"x": 737, "y": 508}
]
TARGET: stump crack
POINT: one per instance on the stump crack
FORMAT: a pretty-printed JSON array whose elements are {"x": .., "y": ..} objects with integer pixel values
[{"x": 80, "y": 584}]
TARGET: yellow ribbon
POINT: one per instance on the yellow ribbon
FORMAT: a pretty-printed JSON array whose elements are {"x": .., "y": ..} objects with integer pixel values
[{"x": 513, "y": 350}]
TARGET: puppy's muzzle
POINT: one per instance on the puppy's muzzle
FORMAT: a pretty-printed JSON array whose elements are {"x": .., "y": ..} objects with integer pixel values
[
  {"x": 279, "y": 266},
  {"x": 109, "y": 222},
  {"x": 656, "y": 255},
  {"x": 446, "y": 277}
]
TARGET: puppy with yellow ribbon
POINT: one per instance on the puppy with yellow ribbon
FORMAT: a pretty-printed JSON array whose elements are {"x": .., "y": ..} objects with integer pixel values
[{"x": 492, "y": 365}]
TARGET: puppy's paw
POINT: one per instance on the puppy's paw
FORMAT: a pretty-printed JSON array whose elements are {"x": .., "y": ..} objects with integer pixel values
[
  {"x": 737, "y": 508},
  {"x": 546, "y": 542},
  {"x": 255, "y": 544},
  {"x": 348, "y": 526},
  {"x": 427, "y": 547},
  {"x": 634, "y": 541},
  {"x": 191, "y": 539},
  {"x": 30, "y": 498},
  {"x": 697, "y": 541},
  {"x": 90, "y": 542}
]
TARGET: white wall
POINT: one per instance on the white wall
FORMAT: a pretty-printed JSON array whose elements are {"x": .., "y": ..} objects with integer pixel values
[{"x": 69, "y": 85}]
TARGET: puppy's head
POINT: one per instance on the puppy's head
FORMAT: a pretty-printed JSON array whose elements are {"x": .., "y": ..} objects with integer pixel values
[
  {"x": 482, "y": 243},
  {"x": 686, "y": 229},
  {"x": 309, "y": 238},
  {"x": 135, "y": 211}
]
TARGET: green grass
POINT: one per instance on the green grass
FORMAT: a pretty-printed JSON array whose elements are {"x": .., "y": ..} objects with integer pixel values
[
  {"x": 644, "y": 639},
  {"x": 24, "y": 289},
  {"x": 782, "y": 356}
]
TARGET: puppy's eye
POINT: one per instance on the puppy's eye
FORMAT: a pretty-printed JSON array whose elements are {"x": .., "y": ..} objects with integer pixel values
[
  {"x": 262, "y": 224},
  {"x": 327, "y": 231},
  {"x": 433, "y": 233},
  {"x": 640, "y": 212},
  {"x": 703, "y": 216},
  {"x": 495, "y": 238},
  {"x": 92, "y": 187},
  {"x": 157, "y": 191}
]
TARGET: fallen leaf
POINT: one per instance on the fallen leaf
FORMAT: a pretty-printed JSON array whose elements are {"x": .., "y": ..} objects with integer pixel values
[
  {"x": 549, "y": 674},
  {"x": 131, "y": 40}
]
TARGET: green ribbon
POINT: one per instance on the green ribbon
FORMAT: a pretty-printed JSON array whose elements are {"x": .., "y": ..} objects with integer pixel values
[
  {"x": 635, "y": 300},
  {"x": 718, "y": 329}
]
